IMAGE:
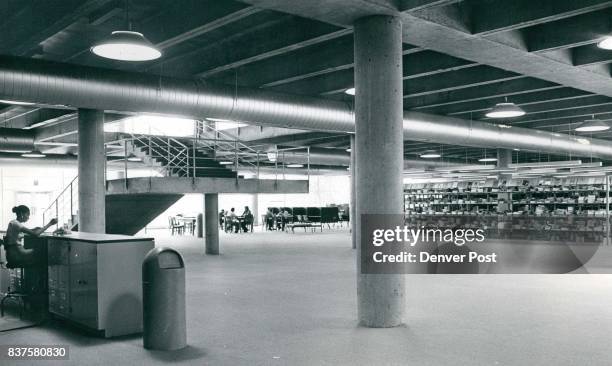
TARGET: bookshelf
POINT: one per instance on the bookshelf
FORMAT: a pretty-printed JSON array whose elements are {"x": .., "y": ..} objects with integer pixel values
[{"x": 555, "y": 209}]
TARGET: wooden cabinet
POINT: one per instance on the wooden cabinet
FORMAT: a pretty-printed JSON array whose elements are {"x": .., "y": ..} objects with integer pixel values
[{"x": 95, "y": 281}]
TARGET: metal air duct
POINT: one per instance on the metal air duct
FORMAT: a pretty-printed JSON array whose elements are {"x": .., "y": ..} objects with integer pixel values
[{"x": 47, "y": 82}]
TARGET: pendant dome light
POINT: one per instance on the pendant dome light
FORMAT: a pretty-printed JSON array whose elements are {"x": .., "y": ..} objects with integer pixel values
[
  {"x": 505, "y": 110},
  {"x": 592, "y": 125},
  {"x": 126, "y": 45}
]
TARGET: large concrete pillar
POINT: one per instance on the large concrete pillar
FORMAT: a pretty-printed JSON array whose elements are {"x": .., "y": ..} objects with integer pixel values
[
  {"x": 255, "y": 208},
  {"x": 352, "y": 210},
  {"x": 211, "y": 223},
  {"x": 91, "y": 162},
  {"x": 504, "y": 159},
  {"x": 379, "y": 155}
]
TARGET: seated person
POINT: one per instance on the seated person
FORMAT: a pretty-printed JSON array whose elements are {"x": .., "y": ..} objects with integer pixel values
[
  {"x": 231, "y": 221},
  {"x": 248, "y": 219},
  {"x": 270, "y": 219},
  {"x": 16, "y": 254}
]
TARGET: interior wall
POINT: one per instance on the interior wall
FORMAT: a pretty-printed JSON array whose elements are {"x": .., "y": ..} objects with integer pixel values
[{"x": 35, "y": 186}]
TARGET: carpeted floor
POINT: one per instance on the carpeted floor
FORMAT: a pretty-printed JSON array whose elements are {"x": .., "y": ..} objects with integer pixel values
[{"x": 289, "y": 299}]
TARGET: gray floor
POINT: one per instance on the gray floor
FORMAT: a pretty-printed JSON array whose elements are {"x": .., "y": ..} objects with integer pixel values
[{"x": 289, "y": 299}]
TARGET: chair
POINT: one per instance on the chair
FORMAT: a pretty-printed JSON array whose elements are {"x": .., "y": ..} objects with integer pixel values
[
  {"x": 175, "y": 226},
  {"x": 329, "y": 215},
  {"x": 17, "y": 282},
  {"x": 314, "y": 214}
]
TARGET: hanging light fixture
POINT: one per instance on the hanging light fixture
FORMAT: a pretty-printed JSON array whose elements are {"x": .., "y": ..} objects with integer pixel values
[
  {"x": 227, "y": 162},
  {"x": 350, "y": 91},
  {"x": 295, "y": 165},
  {"x": 33, "y": 154},
  {"x": 505, "y": 110},
  {"x": 348, "y": 150},
  {"x": 430, "y": 154},
  {"x": 592, "y": 125},
  {"x": 127, "y": 45}
]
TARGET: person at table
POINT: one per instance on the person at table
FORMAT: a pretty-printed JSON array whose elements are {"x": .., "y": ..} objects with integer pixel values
[
  {"x": 270, "y": 219},
  {"x": 221, "y": 218},
  {"x": 285, "y": 217},
  {"x": 247, "y": 216},
  {"x": 232, "y": 221},
  {"x": 16, "y": 254}
]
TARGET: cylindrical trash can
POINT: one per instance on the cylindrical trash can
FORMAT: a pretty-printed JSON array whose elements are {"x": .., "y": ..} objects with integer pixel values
[
  {"x": 200, "y": 225},
  {"x": 163, "y": 300}
]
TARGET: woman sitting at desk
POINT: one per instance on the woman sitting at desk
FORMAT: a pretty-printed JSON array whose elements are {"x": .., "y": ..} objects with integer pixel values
[{"x": 16, "y": 254}]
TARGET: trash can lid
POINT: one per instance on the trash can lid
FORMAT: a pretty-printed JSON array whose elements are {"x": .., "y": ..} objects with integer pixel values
[{"x": 163, "y": 257}]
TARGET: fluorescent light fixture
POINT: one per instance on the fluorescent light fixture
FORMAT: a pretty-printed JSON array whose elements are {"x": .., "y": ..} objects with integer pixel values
[
  {"x": 505, "y": 110},
  {"x": 348, "y": 150},
  {"x": 226, "y": 162},
  {"x": 605, "y": 43},
  {"x": 15, "y": 102},
  {"x": 133, "y": 158},
  {"x": 430, "y": 154},
  {"x": 126, "y": 46},
  {"x": 486, "y": 160},
  {"x": 475, "y": 167},
  {"x": 592, "y": 125},
  {"x": 33, "y": 154},
  {"x": 295, "y": 165},
  {"x": 547, "y": 164},
  {"x": 350, "y": 91}
]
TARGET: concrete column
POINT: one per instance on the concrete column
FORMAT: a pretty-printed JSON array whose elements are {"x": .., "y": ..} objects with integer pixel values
[
  {"x": 352, "y": 208},
  {"x": 211, "y": 223},
  {"x": 91, "y": 161},
  {"x": 504, "y": 159},
  {"x": 255, "y": 208},
  {"x": 379, "y": 155}
]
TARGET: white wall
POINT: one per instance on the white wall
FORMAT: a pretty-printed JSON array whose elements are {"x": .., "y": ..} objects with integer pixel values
[{"x": 45, "y": 180}]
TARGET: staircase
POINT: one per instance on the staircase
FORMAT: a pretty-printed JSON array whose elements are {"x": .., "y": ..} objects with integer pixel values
[
  {"x": 125, "y": 213},
  {"x": 174, "y": 158},
  {"x": 198, "y": 157}
]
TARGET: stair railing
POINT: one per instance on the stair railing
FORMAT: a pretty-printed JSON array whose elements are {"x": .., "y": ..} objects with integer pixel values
[
  {"x": 65, "y": 207},
  {"x": 225, "y": 147}
]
